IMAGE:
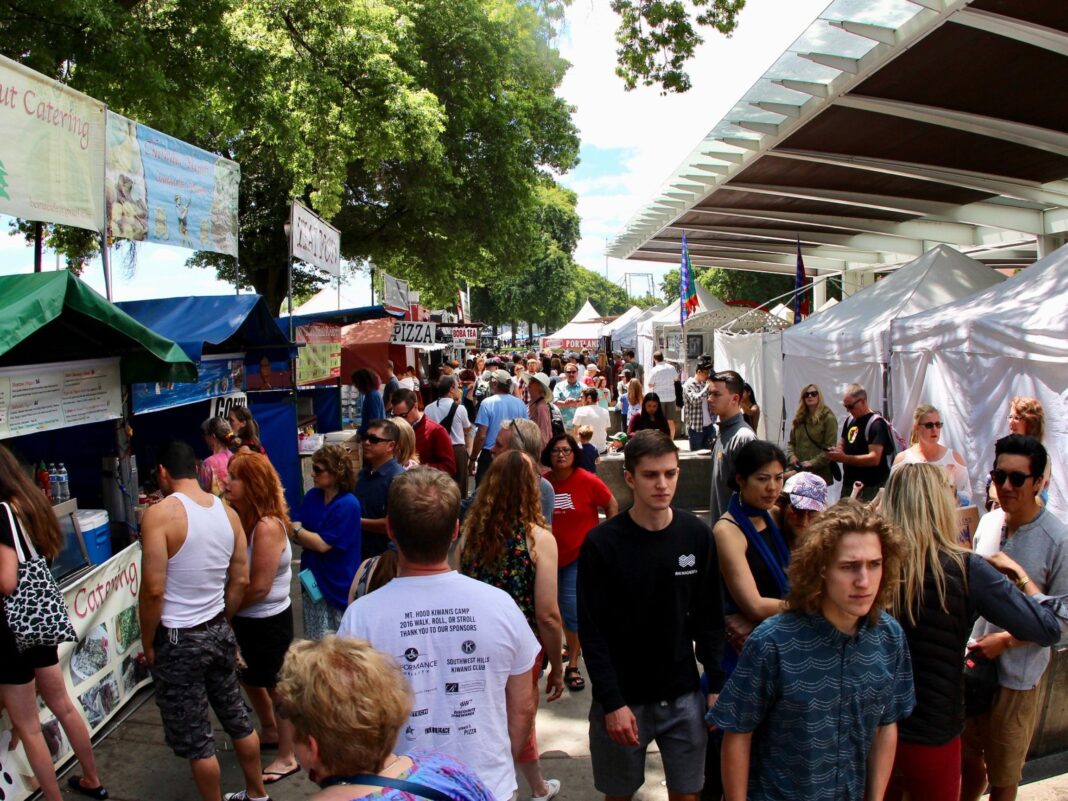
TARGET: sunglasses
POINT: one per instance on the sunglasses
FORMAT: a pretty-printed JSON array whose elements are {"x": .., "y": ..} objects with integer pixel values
[
  {"x": 375, "y": 440},
  {"x": 571, "y": 372},
  {"x": 937, "y": 424},
  {"x": 849, "y": 406},
  {"x": 395, "y": 413},
  {"x": 1016, "y": 477},
  {"x": 810, "y": 394},
  {"x": 318, "y": 468}
]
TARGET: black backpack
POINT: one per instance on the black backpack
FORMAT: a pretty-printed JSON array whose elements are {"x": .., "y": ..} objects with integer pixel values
[{"x": 557, "y": 419}]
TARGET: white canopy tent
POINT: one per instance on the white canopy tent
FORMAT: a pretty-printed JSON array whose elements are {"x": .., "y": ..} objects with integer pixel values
[
  {"x": 625, "y": 335},
  {"x": 583, "y": 331},
  {"x": 971, "y": 357},
  {"x": 621, "y": 322},
  {"x": 651, "y": 331},
  {"x": 353, "y": 296},
  {"x": 757, "y": 357},
  {"x": 850, "y": 342}
]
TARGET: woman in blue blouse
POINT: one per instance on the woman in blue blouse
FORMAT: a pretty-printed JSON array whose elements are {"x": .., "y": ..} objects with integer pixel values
[
  {"x": 372, "y": 406},
  {"x": 328, "y": 531}
]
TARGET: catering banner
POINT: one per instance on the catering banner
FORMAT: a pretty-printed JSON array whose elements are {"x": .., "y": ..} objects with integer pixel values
[
  {"x": 320, "y": 358},
  {"x": 395, "y": 292},
  {"x": 406, "y": 332},
  {"x": 45, "y": 397},
  {"x": 160, "y": 189},
  {"x": 102, "y": 670},
  {"x": 217, "y": 375},
  {"x": 465, "y": 336},
  {"x": 52, "y": 150}
]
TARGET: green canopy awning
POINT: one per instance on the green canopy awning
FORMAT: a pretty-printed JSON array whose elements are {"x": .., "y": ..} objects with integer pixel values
[{"x": 54, "y": 317}]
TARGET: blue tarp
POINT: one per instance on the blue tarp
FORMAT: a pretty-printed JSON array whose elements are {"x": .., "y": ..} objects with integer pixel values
[
  {"x": 340, "y": 316},
  {"x": 223, "y": 323}
]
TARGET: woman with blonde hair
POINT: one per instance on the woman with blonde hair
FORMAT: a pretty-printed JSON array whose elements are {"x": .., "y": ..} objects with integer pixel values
[
  {"x": 813, "y": 431},
  {"x": 634, "y": 402},
  {"x": 926, "y": 431},
  {"x": 406, "y": 455},
  {"x": 347, "y": 703},
  {"x": 506, "y": 545},
  {"x": 263, "y": 624},
  {"x": 943, "y": 588},
  {"x": 219, "y": 437},
  {"x": 1026, "y": 416},
  {"x": 327, "y": 527}
]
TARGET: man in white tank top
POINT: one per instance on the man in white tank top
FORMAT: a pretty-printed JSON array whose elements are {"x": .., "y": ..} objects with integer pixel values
[{"x": 194, "y": 572}]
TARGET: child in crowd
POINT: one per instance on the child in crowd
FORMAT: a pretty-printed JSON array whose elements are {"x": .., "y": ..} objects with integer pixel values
[{"x": 590, "y": 459}]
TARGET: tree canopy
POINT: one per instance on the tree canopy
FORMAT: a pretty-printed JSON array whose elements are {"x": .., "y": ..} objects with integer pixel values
[{"x": 423, "y": 129}]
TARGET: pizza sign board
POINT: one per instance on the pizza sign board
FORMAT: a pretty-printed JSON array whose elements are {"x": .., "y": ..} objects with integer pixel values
[{"x": 411, "y": 333}]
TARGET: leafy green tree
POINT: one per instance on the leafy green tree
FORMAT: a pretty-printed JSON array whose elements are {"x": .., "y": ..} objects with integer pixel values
[
  {"x": 657, "y": 37},
  {"x": 608, "y": 298},
  {"x": 731, "y": 285},
  {"x": 421, "y": 128}
]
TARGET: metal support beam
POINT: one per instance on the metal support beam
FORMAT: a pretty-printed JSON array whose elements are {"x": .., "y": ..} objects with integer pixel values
[
  {"x": 785, "y": 109},
  {"x": 840, "y": 63},
  {"x": 808, "y": 87},
  {"x": 991, "y": 215},
  {"x": 950, "y": 233},
  {"x": 980, "y": 182},
  {"x": 1027, "y": 32},
  {"x": 877, "y": 33},
  {"x": 872, "y": 243},
  {"x": 1016, "y": 132},
  {"x": 742, "y": 142}
]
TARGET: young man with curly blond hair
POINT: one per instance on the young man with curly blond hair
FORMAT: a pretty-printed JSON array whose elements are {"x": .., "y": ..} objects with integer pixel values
[{"x": 811, "y": 711}]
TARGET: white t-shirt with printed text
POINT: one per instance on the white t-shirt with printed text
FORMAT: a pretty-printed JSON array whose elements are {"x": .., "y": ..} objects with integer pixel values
[
  {"x": 458, "y": 641},
  {"x": 596, "y": 418}
]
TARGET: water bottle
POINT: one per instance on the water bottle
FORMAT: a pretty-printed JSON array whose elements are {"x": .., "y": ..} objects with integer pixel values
[
  {"x": 64, "y": 483},
  {"x": 53, "y": 482}
]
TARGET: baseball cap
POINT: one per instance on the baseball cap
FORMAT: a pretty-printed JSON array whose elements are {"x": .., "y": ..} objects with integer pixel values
[
  {"x": 501, "y": 377},
  {"x": 807, "y": 491}
]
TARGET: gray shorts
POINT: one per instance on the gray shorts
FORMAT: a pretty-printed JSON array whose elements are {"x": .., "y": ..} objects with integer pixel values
[
  {"x": 193, "y": 668},
  {"x": 678, "y": 728}
]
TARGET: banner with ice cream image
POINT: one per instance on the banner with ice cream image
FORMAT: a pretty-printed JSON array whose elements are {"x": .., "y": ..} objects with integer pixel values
[{"x": 160, "y": 189}]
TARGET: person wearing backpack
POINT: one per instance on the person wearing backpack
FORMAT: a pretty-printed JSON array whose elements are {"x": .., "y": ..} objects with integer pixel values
[
  {"x": 867, "y": 447},
  {"x": 449, "y": 412}
]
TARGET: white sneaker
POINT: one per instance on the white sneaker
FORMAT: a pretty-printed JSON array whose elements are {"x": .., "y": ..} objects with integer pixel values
[
  {"x": 244, "y": 796},
  {"x": 554, "y": 790}
]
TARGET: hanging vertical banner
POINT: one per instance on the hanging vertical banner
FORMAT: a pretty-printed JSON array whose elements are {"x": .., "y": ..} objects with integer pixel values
[
  {"x": 160, "y": 189},
  {"x": 51, "y": 151},
  {"x": 313, "y": 240},
  {"x": 395, "y": 292},
  {"x": 320, "y": 358},
  {"x": 217, "y": 375}
]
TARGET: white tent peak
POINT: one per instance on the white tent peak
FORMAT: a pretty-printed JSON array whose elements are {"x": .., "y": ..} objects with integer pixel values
[
  {"x": 353, "y": 296},
  {"x": 860, "y": 323},
  {"x": 586, "y": 314}
]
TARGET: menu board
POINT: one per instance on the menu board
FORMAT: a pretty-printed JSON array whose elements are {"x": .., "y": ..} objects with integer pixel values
[
  {"x": 45, "y": 397},
  {"x": 320, "y": 358},
  {"x": 217, "y": 375}
]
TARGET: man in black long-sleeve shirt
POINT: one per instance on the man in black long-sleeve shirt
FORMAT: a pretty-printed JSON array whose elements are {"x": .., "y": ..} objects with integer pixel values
[{"x": 648, "y": 598}]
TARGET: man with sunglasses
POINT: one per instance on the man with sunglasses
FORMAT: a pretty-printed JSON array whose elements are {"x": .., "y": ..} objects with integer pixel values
[
  {"x": 432, "y": 441},
  {"x": 568, "y": 394},
  {"x": 379, "y": 447},
  {"x": 863, "y": 447},
  {"x": 994, "y": 744}
]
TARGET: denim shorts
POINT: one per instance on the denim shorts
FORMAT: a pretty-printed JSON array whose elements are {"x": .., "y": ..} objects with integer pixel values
[{"x": 567, "y": 595}]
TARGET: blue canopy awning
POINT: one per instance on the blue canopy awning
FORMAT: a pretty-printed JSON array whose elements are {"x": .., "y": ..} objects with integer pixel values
[
  {"x": 217, "y": 324},
  {"x": 340, "y": 316}
]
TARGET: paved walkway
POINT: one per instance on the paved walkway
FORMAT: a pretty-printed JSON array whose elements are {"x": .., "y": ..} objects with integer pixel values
[{"x": 137, "y": 766}]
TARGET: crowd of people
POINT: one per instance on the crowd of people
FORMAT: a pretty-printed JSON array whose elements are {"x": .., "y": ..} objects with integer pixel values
[{"x": 461, "y": 552}]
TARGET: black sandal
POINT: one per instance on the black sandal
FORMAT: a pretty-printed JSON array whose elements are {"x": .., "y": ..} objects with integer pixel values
[
  {"x": 573, "y": 679},
  {"x": 75, "y": 783}
]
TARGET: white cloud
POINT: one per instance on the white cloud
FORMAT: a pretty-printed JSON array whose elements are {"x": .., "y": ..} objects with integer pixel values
[{"x": 657, "y": 132}]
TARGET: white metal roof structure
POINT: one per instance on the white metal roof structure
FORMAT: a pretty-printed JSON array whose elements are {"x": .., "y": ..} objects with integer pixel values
[{"x": 886, "y": 128}]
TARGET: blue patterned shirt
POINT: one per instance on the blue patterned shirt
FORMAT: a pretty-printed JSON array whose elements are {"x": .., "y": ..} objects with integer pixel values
[{"x": 814, "y": 697}]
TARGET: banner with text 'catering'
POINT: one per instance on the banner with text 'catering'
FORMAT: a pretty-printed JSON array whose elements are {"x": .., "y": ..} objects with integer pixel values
[
  {"x": 102, "y": 670},
  {"x": 160, "y": 189},
  {"x": 51, "y": 150}
]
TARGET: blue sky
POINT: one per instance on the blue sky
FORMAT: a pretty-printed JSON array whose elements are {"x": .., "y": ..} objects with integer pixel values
[{"x": 631, "y": 141}]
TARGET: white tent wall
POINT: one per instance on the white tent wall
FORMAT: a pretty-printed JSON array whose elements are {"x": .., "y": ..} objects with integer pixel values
[
  {"x": 757, "y": 357},
  {"x": 625, "y": 336},
  {"x": 850, "y": 342},
  {"x": 970, "y": 358}
]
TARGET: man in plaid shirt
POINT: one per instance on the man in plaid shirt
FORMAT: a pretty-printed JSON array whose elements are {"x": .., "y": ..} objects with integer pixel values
[{"x": 695, "y": 408}]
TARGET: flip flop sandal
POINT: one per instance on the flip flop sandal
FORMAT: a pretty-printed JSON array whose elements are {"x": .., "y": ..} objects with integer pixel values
[
  {"x": 573, "y": 679},
  {"x": 75, "y": 783},
  {"x": 270, "y": 777}
]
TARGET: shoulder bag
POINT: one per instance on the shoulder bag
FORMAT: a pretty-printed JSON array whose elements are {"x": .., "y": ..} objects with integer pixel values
[
  {"x": 36, "y": 612},
  {"x": 836, "y": 470}
]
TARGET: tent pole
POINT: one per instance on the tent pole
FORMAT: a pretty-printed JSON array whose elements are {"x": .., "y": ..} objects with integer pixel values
[
  {"x": 105, "y": 258},
  {"x": 38, "y": 247}
]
